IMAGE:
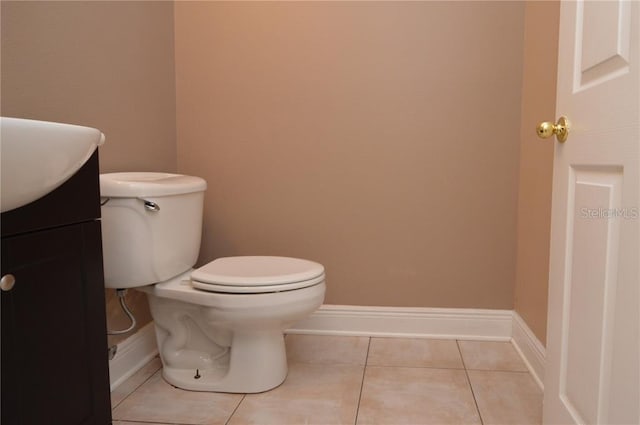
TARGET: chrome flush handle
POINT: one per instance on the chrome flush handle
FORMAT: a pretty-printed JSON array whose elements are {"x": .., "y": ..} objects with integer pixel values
[{"x": 150, "y": 206}]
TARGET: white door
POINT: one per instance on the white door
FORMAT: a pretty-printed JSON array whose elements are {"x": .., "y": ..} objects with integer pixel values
[{"x": 593, "y": 350}]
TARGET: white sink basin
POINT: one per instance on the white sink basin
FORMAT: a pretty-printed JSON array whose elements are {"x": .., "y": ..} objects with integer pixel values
[{"x": 38, "y": 156}]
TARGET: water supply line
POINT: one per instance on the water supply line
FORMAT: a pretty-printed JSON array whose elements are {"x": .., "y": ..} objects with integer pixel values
[{"x": 121, "y": 293}]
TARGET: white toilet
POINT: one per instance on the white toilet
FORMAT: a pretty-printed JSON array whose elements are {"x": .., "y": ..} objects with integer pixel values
[{"x": 220, "y": 327}]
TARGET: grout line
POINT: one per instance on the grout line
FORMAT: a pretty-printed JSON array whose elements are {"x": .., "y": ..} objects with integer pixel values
[
  {"x": 466, "y": 373},
  {"x": 499, "y": 370},
  {"x": 416, "y": 367},
  {"x": 364, "y": 370},
  {"x": 236, "y": 409}
]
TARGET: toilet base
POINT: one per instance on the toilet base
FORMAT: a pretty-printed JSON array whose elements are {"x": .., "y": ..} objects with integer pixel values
[
  {"x": 263, "y": 366},
  {"x": 219, "y": 342}
]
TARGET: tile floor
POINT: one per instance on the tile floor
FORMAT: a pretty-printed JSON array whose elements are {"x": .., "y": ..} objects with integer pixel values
[{"x": 355, "y": 380}]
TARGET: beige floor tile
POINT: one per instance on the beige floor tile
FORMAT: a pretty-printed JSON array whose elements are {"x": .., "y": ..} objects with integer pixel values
[
  {"x": 490, "y": 355},
  {"x": 398, "y": 395},
  {"x": 137, "y": 379},
  {"x": 157, "y": 401},
  {"x": 409, "y": 352},
  {"x": 139, "y": 423},
  {"x": 507, "y": 397},
  {"x": 327, "y": 349},
  {"x": 311, "y": 394}
]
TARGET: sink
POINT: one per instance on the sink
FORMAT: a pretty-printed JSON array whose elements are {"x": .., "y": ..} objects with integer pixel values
[{"x": 38, "y": 156}]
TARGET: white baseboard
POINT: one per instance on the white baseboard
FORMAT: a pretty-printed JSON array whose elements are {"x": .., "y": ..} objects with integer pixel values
[
  {"x": 530, "y": 348},
  {"x": 449, "y": 323},
  {"x": 401, "y": 322},
  {"x": 133, "y": 353}
]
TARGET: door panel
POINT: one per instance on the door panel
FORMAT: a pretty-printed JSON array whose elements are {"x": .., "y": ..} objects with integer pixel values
[
  {"x": 602, "y": 41},
  {"x": 589, "y": 291},
  {"x": 593, "y": 342}
]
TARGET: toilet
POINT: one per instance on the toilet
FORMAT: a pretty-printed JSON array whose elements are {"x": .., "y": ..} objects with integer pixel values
[{"x": 220, "y": 327}]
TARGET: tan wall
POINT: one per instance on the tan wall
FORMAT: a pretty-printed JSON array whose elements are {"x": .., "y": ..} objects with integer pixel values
[
  {"x": 108, "y": 65},
  {"x": 380, "y": 139},
  {"x": 536, "y": 164},
  {"x": 373, "y": 137}
]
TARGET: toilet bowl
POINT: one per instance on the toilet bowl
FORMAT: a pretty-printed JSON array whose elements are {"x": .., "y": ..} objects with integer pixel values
[{"x": 219, "y": 327}]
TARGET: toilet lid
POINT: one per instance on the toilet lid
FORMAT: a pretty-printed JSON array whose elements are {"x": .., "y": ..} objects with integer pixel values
[{"x": 257, "y": 274}]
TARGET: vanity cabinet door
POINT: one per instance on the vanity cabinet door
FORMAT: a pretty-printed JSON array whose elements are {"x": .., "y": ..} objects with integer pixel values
[{"x": 54, "y": 367}]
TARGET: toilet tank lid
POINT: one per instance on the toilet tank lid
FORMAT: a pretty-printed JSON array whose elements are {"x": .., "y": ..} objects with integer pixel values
[{"x": 135, "y": 184}]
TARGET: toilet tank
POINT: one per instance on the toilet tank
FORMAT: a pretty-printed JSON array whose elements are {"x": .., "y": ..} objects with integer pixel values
[{"x": 151, "y": 226}]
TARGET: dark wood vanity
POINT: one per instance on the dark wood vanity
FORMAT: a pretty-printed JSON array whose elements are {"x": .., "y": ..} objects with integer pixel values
[{"x": 54, "y": 366}]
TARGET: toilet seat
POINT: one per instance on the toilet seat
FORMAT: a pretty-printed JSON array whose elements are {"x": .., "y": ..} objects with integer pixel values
[{"x": 257, "y": 275}]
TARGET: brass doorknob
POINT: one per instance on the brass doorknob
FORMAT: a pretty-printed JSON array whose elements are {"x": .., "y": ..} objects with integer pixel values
[{"x": 560, "y": 129}]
